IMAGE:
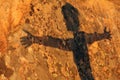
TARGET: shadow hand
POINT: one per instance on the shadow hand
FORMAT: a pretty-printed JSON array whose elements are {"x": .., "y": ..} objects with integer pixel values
[
  {"x": 27, "y": 40},
  {"x": 107, "y": 34}
]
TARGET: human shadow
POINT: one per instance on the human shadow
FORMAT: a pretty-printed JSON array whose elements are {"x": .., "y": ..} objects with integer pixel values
[{"x": 77, "y": 44}]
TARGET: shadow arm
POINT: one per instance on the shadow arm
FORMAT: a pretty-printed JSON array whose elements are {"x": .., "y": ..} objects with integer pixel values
[
  {"x": 92, "y": 37},
  {"x": 45, "y": 40},
  {"x": 53, "y": 42}
]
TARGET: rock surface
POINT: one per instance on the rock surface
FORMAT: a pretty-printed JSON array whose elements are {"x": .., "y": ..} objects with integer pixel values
[{"x": 43, "y": 17}]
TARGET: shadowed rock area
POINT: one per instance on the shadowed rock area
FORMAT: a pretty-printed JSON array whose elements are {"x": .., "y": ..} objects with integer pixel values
[{"x": 44, "y": 18}]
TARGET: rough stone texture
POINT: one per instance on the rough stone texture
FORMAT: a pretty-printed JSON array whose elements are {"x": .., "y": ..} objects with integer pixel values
[
  {"x": 43, "y": 17},
  {"x": 11, "y": 13}
]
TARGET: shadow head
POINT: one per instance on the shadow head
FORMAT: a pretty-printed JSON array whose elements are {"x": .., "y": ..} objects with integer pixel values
[{"x": 70, "y": 14}]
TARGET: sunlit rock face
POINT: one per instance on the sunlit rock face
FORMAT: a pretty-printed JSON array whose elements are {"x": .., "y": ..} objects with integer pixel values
[
  {"x": 11, "y": 13},
  {"x": 44, "y": 17}
]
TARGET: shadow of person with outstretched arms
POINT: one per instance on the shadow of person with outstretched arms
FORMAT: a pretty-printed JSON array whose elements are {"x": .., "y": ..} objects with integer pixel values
[{"x": 77, "y": 44}]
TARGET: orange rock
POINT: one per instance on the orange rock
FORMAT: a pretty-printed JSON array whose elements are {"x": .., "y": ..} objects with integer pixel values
[
  {"x": 3, "y": 42},
  {"x": 11, "y": 13}
]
